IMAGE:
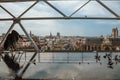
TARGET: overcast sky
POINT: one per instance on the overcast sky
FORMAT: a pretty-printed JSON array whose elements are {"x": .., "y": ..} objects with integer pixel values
[{"x": 65, "y": 27}]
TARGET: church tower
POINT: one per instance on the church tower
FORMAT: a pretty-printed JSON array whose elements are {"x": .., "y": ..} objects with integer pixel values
[{"x": 115, "y": 32}]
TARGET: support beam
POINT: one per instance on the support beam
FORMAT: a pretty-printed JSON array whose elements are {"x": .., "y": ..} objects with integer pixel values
[
  {"x": 7, "y": 11},
  {"x": 28, "y": 8},
  {"x": 28, "y": 64},
  {"x": 55, "y": 8},
  {"x": 63, "y": 18},
  {"x": 115, "y": 14},
  {"x": 36, "y": 52},
  {"x": 34, "y": 44},
  {"x": 80, "y": 8},
  {"x": 47, "y": 0}
]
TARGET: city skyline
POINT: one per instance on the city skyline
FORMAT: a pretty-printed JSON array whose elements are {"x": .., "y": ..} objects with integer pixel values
[{"x": 61, "y": 34}]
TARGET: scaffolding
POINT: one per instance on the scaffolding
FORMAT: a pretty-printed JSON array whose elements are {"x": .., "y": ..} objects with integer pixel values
[{"x": 17, "y": 20}]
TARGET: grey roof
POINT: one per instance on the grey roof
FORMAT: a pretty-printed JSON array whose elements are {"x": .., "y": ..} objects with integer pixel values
[
  {"x": 115, "y": 41},
  {"x": 97, "y": 41}
]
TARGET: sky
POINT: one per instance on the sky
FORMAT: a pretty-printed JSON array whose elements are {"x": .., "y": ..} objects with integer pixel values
[{"x": 65, "y": 27}]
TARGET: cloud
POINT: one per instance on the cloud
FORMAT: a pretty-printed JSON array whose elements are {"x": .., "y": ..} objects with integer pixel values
[
  {"x": 38, "y": 10},
  {"x": 4, "y": 26},
  {"x": 114, "y": 5},
  {"x": 42, "y": 9},
  {"x": 41, "y": 27},
  {"x": 4, "y": 14},
  {"x": 13, "y": 8},
  {"x": 93, "y": 9},
  {"x": 112, "y": 22},
  {"x": 68, "y": 8}
]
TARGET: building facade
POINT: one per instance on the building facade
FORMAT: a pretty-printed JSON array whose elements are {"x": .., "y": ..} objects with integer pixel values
[{"x": 115, "y": 32}]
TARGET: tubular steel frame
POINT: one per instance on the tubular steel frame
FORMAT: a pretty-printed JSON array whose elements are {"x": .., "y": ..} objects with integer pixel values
[{"x": 17, "y": 20}]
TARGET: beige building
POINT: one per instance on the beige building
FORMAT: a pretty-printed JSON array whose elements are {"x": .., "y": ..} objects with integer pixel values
[{"x": 115, "y": 33}]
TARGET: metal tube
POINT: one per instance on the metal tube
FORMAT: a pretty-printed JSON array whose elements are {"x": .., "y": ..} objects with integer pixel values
[
  {"x": 68, "y": 57},
  {"x": 39, "y": 57},
  {"x": 53, "y": 57},
  {"x": 107, "y": 8},
  {"x": 25, "y": 56},
  {"x": 63, "y": 18},
  {"x": 47, "y": 0},
  {"x": 28, "y": 9},
  {"x": 7, "y": 11},
  {"x": 82, "y": 57},
  {"x": 80, "y": 8},
  {"x": 55, "y": 8},
  {"x": 22, "y": 73},
  {"x": 34, "y": 44}
]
